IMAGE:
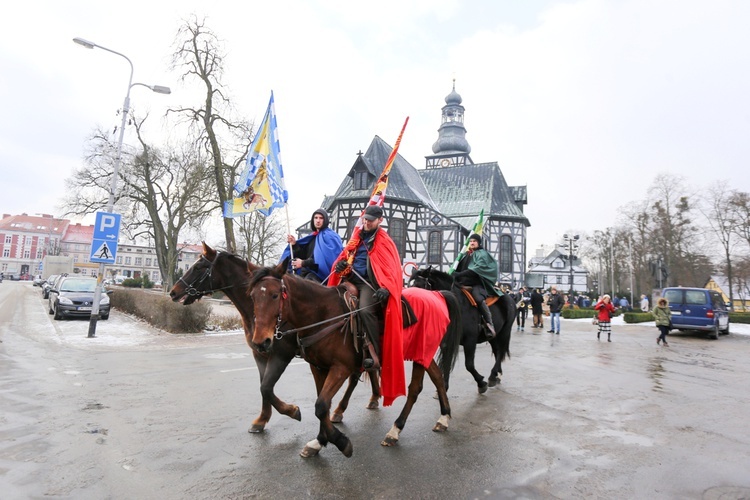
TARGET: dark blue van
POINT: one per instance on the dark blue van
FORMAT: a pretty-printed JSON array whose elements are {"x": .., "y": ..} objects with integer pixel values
[{"x": 698, "y": 309}]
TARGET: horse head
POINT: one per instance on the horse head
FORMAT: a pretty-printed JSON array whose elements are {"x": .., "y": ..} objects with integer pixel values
[
  {"x": 269, "y": 293},
  {"x": 431, "y": 278},
  {"x": 214, "y": 270}
]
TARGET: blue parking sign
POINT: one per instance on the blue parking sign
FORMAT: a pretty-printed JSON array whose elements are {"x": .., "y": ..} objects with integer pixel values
[{"x": 104, "y": 244}]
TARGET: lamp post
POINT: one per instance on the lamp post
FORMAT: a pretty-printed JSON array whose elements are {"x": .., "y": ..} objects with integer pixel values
[
  {"x": 113, "y": 187},
  {"x": 570, "y": 240}
]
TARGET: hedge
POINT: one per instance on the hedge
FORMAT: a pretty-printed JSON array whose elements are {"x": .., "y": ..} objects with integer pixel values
[
  {"x": 739, "y": 317},
  {"x": 159, "y": 310}
]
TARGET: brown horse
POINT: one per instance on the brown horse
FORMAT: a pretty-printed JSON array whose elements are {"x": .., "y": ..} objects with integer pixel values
[
  {"x": 320, "y": 318},
  {"x": 231, "y": 274}
]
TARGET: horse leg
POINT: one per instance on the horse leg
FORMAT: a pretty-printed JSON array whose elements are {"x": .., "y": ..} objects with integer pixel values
[
  {"x": 436, "y": 375},
  {"x": 415, "y": 387},
  {"x": 313, "y": 447},
  {"x": 328, "y": 433},
  {"x": 272, "y": 368},
  {"x": 338, "y": 413},
  {"x": 374, "y": 376},
  {"x": 470, "y": 349},
  {"x": 497, "y": 369}
]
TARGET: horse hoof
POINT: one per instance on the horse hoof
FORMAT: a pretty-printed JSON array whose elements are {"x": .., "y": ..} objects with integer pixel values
[
  {"x": 337, "y": 418},
  {"x": 389, "y": 441},
  {"x": 348, "y": 449},
  {"x": 439, "y": 428},
  {"x": 372, "y": 405},
  {"x": 494, "y": 381},
  {"x": 296, "y": 414},
  {"x": 256, "y": 428},
  {"x": 308, "y": 452},
  {"x": 482, "y": 387}
]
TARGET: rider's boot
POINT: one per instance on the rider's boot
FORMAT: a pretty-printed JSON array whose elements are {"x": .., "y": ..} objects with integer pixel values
[
  {"x": 371, "y": 360},
  {"x": 487, "y": 316}
]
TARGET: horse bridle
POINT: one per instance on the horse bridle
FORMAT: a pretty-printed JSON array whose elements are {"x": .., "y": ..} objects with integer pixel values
[{"x": 205, "y": 275}]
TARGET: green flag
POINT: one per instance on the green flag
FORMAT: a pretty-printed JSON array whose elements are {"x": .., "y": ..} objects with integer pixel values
[{"x": 476, "y": 229}]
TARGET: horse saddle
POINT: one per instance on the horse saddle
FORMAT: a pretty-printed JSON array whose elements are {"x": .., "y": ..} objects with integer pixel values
[
  {"x": 467, "y": 292},
  {"x": 407, "y": 313}
]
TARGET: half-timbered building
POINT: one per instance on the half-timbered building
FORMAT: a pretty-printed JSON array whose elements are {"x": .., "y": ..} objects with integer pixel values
[{"x": 429, "y": 212}]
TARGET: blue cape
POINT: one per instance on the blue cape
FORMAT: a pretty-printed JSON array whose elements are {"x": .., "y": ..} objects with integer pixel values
[{"x": 328, "y": 246}]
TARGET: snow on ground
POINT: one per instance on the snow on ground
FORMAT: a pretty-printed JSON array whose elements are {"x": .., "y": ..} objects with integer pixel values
[{"x": 734, "y": 328}]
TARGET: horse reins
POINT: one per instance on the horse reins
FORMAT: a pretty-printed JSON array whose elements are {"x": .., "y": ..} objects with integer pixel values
[{"x": 206, "y": 274}]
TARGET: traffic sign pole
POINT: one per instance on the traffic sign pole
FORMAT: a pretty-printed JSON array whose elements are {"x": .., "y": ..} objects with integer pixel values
[{"x": 106, "y": 230}]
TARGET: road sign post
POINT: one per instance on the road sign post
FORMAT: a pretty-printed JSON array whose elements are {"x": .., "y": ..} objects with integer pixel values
[{"x": 103, "y": 251}]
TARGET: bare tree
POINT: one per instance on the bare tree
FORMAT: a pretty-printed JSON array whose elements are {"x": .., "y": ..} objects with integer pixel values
[
  {"x": 261, "y": 238},
  {"x": 198, "y": 55},
  {"x": 719, "y": 211},
  {"x": 161, "y": 193}
]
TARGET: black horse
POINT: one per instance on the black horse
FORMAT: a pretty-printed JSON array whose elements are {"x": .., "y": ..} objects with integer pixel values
[{"x": 503, "y": 315}]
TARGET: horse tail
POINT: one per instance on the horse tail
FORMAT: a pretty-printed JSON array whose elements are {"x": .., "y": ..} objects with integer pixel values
[
  {"x": 502, "y": 340},
  {"x": 449, "y": 346}
]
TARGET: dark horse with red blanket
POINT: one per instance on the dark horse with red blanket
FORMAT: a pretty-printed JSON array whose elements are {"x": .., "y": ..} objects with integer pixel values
[
  {"x": 503, "y": 313},
  {"x": 321, "y": 320},
  {"x": 230, "y": 274}
]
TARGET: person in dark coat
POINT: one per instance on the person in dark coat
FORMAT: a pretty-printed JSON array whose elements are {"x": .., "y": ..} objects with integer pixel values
[
  {"x": 556, "y": 303},
  {"x": 536, "y": 300},
  {"x": 521, "y": 298},
  {"x": 478, "y": 270}
]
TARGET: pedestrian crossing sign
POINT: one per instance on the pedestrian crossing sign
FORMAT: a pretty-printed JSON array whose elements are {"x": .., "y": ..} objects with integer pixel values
[{"x": 103, "y": 251}]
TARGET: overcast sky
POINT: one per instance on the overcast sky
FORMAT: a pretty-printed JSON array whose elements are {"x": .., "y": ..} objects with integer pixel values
[{"x": 582, "y": 101}]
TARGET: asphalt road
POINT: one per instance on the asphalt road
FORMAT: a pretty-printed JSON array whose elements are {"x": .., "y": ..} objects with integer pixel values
[{"x": 136, "y": 413}]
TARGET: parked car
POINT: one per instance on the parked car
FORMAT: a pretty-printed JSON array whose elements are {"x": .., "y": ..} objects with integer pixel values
[
  {"x": 48, "y": 284},
  {"x": 698, "y": 309},
  {"x": 74, "y": 296},
  {"x": 38, "y": 280}
]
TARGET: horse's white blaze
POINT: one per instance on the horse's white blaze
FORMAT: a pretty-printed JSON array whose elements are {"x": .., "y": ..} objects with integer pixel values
[
  {"x": 262, "y": 289},
  {"x": 315, "y": 445},
  {"x": 444, "y": 419},
  {"x": 393, "y": 433}
]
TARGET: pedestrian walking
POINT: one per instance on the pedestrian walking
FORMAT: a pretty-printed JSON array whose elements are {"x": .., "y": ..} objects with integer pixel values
[
  {"x": 663, "y": 319},
  {"x": 606, "y": 309},
  {"x": 556, "y": 303},
  {"x": 521, "y": 298}
]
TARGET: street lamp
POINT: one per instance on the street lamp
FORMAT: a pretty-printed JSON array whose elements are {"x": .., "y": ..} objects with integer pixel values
[
  {"x": 570, "y": 240},
  {"x": 159, "y": 89}
]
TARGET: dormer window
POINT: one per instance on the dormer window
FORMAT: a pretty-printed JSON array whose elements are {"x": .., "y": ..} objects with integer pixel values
[{"x": 361, "y": 179}]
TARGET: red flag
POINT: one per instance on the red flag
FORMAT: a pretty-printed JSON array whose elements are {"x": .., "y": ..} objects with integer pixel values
[{"x": 377, "y": 198}]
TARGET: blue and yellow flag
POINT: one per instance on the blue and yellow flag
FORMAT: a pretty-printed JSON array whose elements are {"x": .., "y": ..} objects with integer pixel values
[
  {"x": 261, "y": 185},
  {"x": 476, "y": 229}
]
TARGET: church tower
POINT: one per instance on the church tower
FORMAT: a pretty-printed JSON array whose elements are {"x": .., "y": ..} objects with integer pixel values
[{"x": 451, "y": 149}]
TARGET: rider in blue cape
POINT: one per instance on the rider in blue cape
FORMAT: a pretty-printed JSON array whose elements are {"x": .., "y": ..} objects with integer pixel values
[{"x": 315, "y": 253}]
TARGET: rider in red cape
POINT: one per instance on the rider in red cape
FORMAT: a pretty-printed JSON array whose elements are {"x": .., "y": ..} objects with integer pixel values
[{"x": 383, "y": 271}]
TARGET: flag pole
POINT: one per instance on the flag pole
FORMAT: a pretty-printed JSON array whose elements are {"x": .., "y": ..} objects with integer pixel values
[{"x": 289, "y": 231}]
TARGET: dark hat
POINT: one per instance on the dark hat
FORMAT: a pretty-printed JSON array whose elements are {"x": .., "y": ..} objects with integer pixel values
[
  {"x": 475, "y": 236},
  {"x": 373, "y": 212}
]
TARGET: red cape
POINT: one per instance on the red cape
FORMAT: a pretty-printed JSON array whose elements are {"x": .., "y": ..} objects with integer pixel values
[
  {"x": 422, "y": 339},
  {"x": 386, "y": 265}
]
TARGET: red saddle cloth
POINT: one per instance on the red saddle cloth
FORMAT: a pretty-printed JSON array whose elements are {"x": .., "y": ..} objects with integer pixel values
[{"x": 422, "y": 339}]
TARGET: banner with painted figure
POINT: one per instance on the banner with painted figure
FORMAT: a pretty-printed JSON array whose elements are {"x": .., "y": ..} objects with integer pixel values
[{"x": 261, "y": 185}]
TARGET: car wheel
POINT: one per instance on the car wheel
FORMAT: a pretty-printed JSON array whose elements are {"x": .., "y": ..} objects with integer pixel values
[
  {"x": 725, "y": 332},
  {"x": 50, "y": 309},
  {"x": 105, "y": 317},
  {"x": 57, "y": 314},
  {"x": 714, "y": 333}
]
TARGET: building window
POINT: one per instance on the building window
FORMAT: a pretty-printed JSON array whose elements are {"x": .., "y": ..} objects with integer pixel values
[
  {"x": 397, "y": 232},
  {"x": 506, "y": 254},
  {"x": 26, "y": 254},
  {"x": 138, "y": 261},
  {"x": 350, "y": 229},
  {"x": 435, "y": 247},
  {"x": 360, "y": 179},
  {"x": 558, "y": 279},
  {"x": 84, "y": 271},
  {"x": 75, "y": 258},
  {"x": 38, "y": 254},
  {"x": 6, "y": 252},
  {"x": 8, "y": 239},
  {"x": 148, "y": 262},
  {"x": 119, "y": 260},
  {"x": 127, "y": 261}
]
